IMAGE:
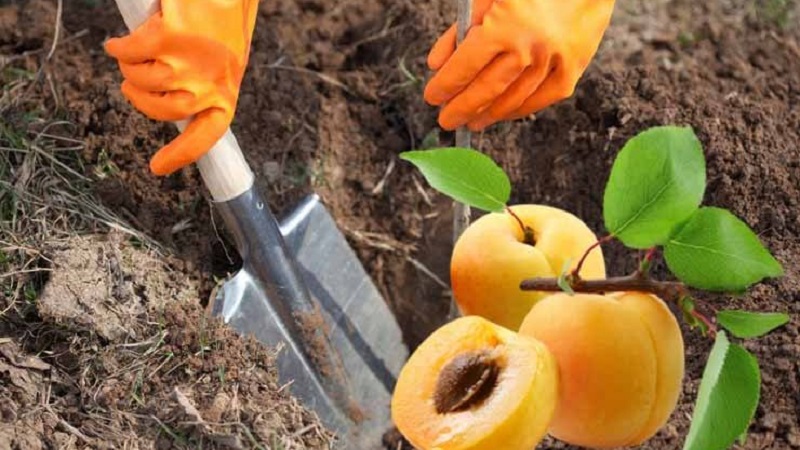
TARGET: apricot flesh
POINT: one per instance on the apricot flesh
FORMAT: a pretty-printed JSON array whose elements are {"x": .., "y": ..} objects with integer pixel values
[
  {"x": 475, "y": 385},
  {"x": 621, "y": 365},
  {"x": 491, "y": 259}
]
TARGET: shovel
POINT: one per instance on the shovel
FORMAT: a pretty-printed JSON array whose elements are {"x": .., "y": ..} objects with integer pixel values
[{"x": 303, "y": 290}]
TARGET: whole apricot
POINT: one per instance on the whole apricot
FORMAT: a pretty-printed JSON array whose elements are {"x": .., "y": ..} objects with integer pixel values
[
  {"x": 621, "y": 364},
  {"x": 491, "y": 258},
  {"x": 475, "y": 385}
]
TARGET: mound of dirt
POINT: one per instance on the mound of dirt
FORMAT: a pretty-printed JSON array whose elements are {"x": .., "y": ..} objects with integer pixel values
[{"x": 127, "y": 359}]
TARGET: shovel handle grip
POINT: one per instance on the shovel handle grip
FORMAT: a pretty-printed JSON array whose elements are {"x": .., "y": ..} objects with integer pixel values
[{"x": 224, "y": 169}]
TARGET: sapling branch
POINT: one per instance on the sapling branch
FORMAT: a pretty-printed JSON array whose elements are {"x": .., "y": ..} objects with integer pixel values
[
  {"x": 663, "y": 289},
  {"x": 638, "y": 281},
  {"x": 577, "y": 271}
]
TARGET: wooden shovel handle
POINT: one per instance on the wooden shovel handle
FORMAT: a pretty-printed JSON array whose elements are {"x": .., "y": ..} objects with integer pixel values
[{"x": 224, "y": 169}]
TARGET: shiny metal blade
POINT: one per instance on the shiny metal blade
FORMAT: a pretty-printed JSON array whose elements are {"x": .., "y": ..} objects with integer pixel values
[{"x": 347, "y": 377}]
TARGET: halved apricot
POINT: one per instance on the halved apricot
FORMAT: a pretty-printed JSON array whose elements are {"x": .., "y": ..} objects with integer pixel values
[{"x": 476, "y": 385}]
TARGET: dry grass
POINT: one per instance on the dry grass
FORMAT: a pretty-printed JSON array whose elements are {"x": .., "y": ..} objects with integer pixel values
[{"x": 44, "y": 192}]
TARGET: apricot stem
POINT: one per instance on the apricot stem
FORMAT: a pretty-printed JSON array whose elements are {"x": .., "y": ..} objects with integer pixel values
[
  {"x": 465, "y": 381},
  {"x": 526, "y": 230},
  {"x": 712, "y": 329},
  {"x": 635, "y": 282},
  {"x": 601, "y": 241}
]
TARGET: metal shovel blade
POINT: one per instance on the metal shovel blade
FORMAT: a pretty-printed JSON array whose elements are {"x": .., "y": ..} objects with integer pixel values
[{"x": 302, "y": 287}]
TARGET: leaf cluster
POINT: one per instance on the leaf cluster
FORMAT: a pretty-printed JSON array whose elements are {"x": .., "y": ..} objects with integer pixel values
[{"x": 653, "y": 198}]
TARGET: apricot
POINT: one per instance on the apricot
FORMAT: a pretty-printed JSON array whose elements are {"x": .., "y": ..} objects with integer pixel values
[
  {"x": 491, "y": 258},
  {"x": 475, "y": 385},
  {"x": 620, "y": 361}
]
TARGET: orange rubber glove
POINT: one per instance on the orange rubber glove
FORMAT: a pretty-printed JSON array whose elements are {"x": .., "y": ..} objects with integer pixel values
[
  {"x": 187, "y": 60},
  {"x": 518, "y": 57}
]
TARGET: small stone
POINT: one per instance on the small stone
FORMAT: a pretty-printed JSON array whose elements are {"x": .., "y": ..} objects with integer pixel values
[
  {"x": 770, "y": 421},
  {"x": 272, "y": 170}
]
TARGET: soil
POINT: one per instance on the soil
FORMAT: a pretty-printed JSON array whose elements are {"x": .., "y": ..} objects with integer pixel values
[
  {"x": 333, "y": 94},
  {"x": 120, "y": 355}
]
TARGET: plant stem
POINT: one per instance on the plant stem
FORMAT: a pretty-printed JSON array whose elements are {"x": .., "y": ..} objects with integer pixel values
[
  {"x": 464, "y": 19},
  {"x": 461, "y": 213},
  {"x": 526, "y": 230},
  {"x": 647, "y": 261},
  {"x": 463, "y": 135},
  {"x": 712, "y": 329},
  {"x": 663, "y": 289},
  {"x": 577, "y": 271}
]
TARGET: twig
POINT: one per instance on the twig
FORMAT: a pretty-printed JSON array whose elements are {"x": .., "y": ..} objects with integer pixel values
[
  {"x": 303, "y": 430},
  {"x": 58, "y": 29},
  {"x": 379, "y": 187},
  {"x": 326, "y": 78},
  {"x": 577, "y": 271},
  {"x": 662, "y": 289},
  {"x": 5, "y": 61},
  {"x": 23, "y": 272},
  {"x": 422, "y": 268},
  {"x": 69, "y": 428},
  {"x": 421, "y": 191}
]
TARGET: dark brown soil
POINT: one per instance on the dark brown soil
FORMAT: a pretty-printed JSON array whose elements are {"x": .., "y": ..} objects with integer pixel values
[{"x": 333, "y": 94}]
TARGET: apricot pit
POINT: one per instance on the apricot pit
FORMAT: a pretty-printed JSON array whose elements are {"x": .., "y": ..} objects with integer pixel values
[{"x": 465, "y": 381}]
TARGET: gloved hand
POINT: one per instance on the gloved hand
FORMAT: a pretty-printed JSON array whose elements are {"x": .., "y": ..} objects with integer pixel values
[
  {"x": 519, "y": 57},
  {"x": 187, "y": 60}
]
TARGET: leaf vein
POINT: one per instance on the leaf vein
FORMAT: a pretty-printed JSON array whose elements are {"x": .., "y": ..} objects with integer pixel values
[
  {"x": 467, "y": 186},
  {"x": 645, "y": 207},
  {"x": 718, "y": 252}
]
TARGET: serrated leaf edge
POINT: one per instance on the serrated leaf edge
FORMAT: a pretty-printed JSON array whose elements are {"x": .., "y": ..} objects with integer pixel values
[{"x": 721, "y": 336}]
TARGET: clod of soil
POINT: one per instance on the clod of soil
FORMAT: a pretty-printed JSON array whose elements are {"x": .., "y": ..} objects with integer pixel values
[{"x": 89, "y": 288}]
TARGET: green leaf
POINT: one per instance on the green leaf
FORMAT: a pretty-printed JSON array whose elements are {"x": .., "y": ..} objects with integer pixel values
[
  {"x": 744, "y": 324},
  {"x": 657, "y": 182},
  {"x": 466, "y": 175},
  {"x": 727, "y": 399},
  {"x": 716, "y": 251}
]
